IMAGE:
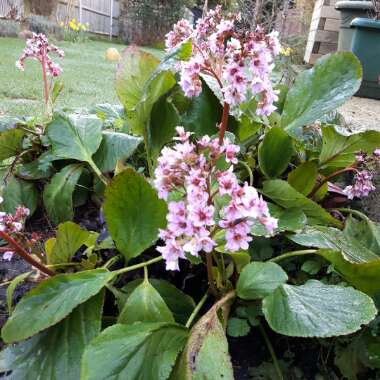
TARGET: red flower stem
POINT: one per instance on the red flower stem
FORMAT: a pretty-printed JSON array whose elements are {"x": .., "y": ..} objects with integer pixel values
[
  {"x": 44, "y": 76},
  {"x": 224, "y": 123},
  {"x": 6, "y": 249},
  {"x": 326, "y": 179},
  {"x": 17, "y": 248}
]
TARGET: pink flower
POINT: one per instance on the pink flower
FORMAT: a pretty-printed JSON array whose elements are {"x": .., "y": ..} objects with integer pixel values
[
  {"x": 38, "y": 48},
  {"x": 231, "y": 151},
  {"x": 361, "y": 187},
  {"x": 171, "y": 252},
  {"x": 8, "y": 255},
  {"x": 201, "y": 215},
  {"x": 227, "y": 182}
]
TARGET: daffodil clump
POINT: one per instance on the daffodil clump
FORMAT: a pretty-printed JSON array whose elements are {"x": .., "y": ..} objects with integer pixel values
[{"x": 75, "y": 30}]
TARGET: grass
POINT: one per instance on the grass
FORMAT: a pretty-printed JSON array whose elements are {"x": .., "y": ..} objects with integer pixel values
[{"x": 87, "y": 75}]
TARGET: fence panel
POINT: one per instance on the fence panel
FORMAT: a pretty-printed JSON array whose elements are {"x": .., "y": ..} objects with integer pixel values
[
  {"x": 97, "y": 13},
  {"x": 11, "y": 9}
]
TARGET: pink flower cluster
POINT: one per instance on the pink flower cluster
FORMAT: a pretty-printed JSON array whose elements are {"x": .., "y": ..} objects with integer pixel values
[
  {"x": 361, "y": 187},
  {"x": 204, "y": 200},
  {"x": 12, "y": 224},
  {"x": 241, "y": 62},
  {"x": 38, "y": 48}
]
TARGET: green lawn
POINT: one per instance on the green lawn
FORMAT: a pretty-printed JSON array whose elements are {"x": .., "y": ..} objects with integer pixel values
[{"x": 87, "y": 76}]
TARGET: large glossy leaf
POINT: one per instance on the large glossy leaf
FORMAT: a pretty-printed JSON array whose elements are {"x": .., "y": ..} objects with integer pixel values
[
  {"x": 18, "y": 192},
  {"x": 165, "y": 118},
  {"x": 70, "y": 237},
  {"x": 41, "y": 168},
  {"x": 145, "y": 305},
  {"x": 137, "y": 90},
  {"x": 51, "y": 301},
  {"x": 206, "y": 353},
  {"x": 334, "y": 239},
  {"x": 142, "y": 351},
  {"x": 275, "y": 152},
  {"x": 258, "y": 279},
  {"x": 286, "y": 196},
  {"x": 317, "y": 310},
  {"x": 339, "y": 146},
  {"x": 179, "y": 303},
  {"x": 58, "y": 194},
  {"x": 10, "y": 143},
  {"x": 204, "y": 113},
  {"x": 365, "y": 231},
  {"x": 333, "y": 80},
  {"x": 357, "y": 264},
  {"x": 133, "y": 212},
  {"x": 55, "y": 354},
  {"x": 115, "y": 146},
  {"x": 304, "y": 177},
  {"x": 364, "y": 275},
  {"x": 181, "y": 52},
  {"x": 76, "y": 137}
]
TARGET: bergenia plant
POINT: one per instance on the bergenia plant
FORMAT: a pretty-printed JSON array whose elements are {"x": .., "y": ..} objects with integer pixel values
[
  {"x": 38, "y": 48},
  {"x": 215, "y": 214}
]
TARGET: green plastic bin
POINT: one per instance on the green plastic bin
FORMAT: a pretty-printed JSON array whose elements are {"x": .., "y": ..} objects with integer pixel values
[
  {"x": 349, "y": 10},
  {"x": 366, "y": 46}
]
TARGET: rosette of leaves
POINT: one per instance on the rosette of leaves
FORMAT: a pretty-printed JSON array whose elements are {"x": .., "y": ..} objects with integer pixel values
[{"x": 65, "y": 159}]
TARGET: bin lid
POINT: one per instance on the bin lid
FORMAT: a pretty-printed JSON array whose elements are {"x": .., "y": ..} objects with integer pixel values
[
  {"x": 354, "y": 5},
  {"x": 365, "y": 23}
]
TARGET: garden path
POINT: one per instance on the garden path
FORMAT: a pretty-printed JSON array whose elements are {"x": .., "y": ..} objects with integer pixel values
[{"x": 362, "y": 113}]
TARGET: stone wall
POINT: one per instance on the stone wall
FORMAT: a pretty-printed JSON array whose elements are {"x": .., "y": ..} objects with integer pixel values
[{"x": 145, "y": 22}]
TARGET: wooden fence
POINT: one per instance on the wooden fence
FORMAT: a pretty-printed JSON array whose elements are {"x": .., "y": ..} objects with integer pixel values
[
  {"x": 11, "y": 8},
  {"x": 102, "y": 16}
]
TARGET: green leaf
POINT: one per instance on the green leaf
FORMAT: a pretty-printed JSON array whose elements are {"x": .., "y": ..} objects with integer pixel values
[
  {"x": 145, "y": 305},
  {"x": 334, "y": 239},
  {"x": 181, "y": 52},
  {"x": 137, "y": 90},
  {"x": 12, "y": 287},
  {"x": 258, "y": 279},
  {"x": 40, "y": 168},
  {"x": 133, "y": 212},
  {"x": 238, "y": 327},
  {"x": 358, "y": 265},
  {"x": 364, "y": 275},
  {"x": 51, "y": 301},
  {"x": 58, "y": 194},
  {"x": 291, "y": 219},
  {"x": 142, "y": 351},
  {"x": 179, "y": 303},
  {"x": 317, "y": 310},
  {"x": 206, "y": 353},
  {"x": 340, "y": 146},
  {"x": 333, "y": 80},
  {"x": 275, "y": 152},
  {"x": 115, "y": 146},
  {"x": 203, "y": 114},
  {"x": 70, "y": 237},
  {"x": 304, "y": 177},
  {"x": 56, "y": 352},
  {"x": 365, "y": 231},
  {"x": 20, "y": 193},
  {"x": 165, "y": 118},
  {"x": 76, "y": 137},
  {"x": 11, "y": 143},
  {"x": 311, "y": 267},
  {"x": 286, "y": 196}
]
